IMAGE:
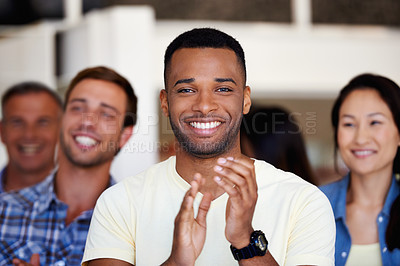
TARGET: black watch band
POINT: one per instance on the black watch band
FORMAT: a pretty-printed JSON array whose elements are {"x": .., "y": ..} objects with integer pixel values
[{"x": 258, "y": 247}]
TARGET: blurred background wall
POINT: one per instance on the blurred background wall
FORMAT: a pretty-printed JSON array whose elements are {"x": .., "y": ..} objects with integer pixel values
[{"x": 299, "y": 54}]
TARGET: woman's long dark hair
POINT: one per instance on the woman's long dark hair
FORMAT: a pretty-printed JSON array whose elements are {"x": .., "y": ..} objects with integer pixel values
[
  {"x": 390, "y": 93},
  {"x": 276, "y": 137}
]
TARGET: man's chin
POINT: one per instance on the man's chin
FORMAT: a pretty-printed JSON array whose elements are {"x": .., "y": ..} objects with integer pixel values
[
  {"x": 86, "y": 161},
  {"x": 35, "y": 168},
  {"x": 204, "y": 150}
]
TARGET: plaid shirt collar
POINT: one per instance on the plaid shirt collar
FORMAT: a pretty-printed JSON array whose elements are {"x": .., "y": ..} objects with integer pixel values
[
  {"x": 2, "y": 176},
  {"x": 40, "y": 195}
]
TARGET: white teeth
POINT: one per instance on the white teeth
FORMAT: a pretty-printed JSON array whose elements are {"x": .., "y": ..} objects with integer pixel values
[
  {"x": 207, "y": 125},
  {"x": 363, "y": 153},
  {"x": 84, "y": 140},
  {"x": 30, "y": 148}
]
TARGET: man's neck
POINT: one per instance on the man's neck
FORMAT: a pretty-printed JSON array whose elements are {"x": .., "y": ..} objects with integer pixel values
[
  {"x": 15, "y": 179},
  {"x": 80, "y": 187},
  {"x": 187, "y": 165}
]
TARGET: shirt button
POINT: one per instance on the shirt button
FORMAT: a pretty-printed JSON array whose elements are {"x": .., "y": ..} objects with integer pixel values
[
  {"x": 380, "y": 219},
  {"x": 384, "y": 249},
  {"x": 59, "y": 263},
  {"x": 344, "y": 254}
]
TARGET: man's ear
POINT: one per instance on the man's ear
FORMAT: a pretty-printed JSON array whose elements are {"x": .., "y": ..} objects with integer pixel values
[
  {"x": 164, "y": 102},
  {"x": 125, "y": 135},
  {"x": 246, "y": 100}
]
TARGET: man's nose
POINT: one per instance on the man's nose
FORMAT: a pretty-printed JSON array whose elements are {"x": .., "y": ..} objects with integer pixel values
[
  {"x": 205, "y": 102},
  {"x": 89, "y": 119}
]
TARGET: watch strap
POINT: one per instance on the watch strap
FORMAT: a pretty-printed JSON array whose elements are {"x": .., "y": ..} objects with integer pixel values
[
  {"x": 244, "y": 253},
  {"x": 258, "y": 247}
]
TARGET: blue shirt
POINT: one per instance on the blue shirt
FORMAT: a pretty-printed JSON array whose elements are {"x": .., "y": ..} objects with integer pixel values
[
  {"x": 32, "y": 220},
  {"x": 2, "y": 179},
  {"x": 336, "y": 193},
  {"x": 2, "y": 173}
]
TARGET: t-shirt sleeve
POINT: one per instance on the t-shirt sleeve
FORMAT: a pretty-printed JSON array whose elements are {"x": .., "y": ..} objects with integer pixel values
[
  {"x": 312, "y": 239},
  {"x": 112, "y": 228}
]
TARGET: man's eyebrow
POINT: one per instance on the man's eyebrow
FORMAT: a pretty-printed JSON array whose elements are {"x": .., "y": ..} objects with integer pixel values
[
  {"x": 76, "y": 100},
  {"x": 109, "y": 106},
  {"x": 81, "y": 100},
  {"x": 190, "y": 80},
  {"x": 184, "y": 81},
  {"x": 225, "y": 80}
]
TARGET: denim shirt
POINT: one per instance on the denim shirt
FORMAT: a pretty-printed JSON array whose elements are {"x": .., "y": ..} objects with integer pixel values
[{"x": 336, "y": 193}]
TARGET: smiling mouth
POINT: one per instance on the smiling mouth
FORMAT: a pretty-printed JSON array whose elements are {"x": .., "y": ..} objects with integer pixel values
[
  {"x": 29, "y": 149},
  {"x": 363, "y": 153},
  {"x": 86, "y": 141},
  {"x": 206, "y": 125}
]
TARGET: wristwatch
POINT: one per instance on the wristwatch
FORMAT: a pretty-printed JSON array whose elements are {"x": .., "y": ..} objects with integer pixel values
[{"x": 258, "y": 247}]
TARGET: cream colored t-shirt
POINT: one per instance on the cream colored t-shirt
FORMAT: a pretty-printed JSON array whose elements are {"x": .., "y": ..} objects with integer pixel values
[
  {"x": 133, "y": 221},
  {"x": 366, "y": 255}
]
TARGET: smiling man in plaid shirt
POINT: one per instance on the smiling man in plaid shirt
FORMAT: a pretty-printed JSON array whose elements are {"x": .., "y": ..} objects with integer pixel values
[{"x": 48, "y": 223}]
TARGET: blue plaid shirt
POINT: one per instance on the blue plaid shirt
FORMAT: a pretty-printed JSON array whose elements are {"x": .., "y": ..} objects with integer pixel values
[
  {"x": 32, "y": 220},
  {"x": 2, "y": 180},
  {"x": 2, "y": 173}
]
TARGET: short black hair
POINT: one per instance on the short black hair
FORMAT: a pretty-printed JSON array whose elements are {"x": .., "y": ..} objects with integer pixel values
[
  {"x": 108, "y": 74},
  {"x": 28, "y": 87},
  {"x": 204, "y": 38}
]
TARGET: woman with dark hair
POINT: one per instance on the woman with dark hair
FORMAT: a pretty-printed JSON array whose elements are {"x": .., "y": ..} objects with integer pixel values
[
  {"x": 366, "y": 202},
  {"x": 272, "y": 134}
]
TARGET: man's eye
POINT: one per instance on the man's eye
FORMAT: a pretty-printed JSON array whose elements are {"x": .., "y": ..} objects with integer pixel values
[
  {"x": 185, "y": 90},
  {"x": 44, "y": 122},
  {"x": 107, "y": 115},
  {"x": 224, "y": 89},
  {"x": 16, "y": 123},
  {"x": 76, "y": 108}
]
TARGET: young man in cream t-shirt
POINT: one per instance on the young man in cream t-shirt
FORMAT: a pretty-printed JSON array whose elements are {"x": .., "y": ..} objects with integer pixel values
[{"x": 234, "y": 209}]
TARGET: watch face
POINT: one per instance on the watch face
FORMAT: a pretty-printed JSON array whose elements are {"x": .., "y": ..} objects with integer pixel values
[{"x": 261, "y": 243}]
